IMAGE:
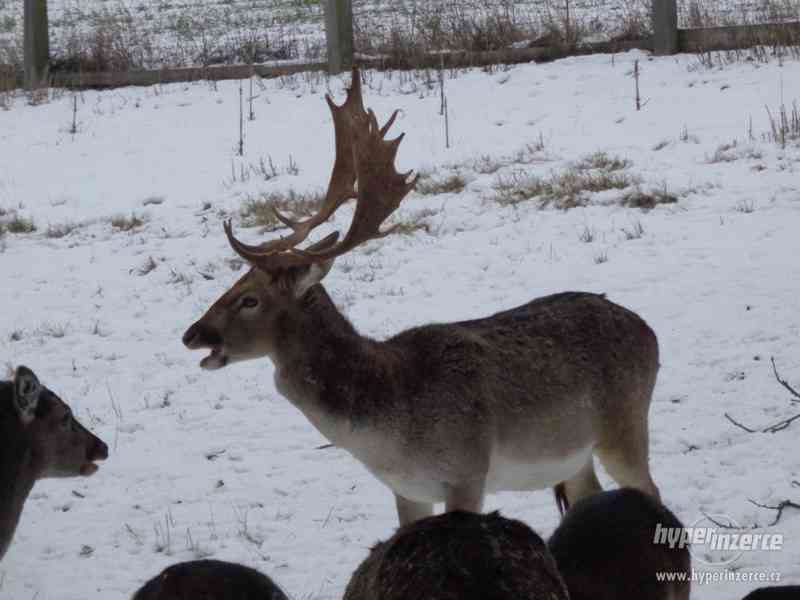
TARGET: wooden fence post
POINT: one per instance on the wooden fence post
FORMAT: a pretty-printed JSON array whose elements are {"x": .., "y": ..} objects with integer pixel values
[
  {"x": 37, "y": 45},
  {"x": 339, "y": 32},
  {"x": 665, "y": 27}
]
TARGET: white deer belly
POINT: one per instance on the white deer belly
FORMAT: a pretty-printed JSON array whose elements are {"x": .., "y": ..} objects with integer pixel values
[
  {"x": 416, "y": 476},
  {"x": 510, "y": 473},
  {"x": 406, "y": 475},
  {"x": 386, "y": 457},
  {"x": 410, "y": 485}
]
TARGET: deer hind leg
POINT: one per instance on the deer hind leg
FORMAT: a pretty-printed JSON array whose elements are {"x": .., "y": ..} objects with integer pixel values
[
  {"x": 583, "y": 483},
  {"x": 408, "y": 511},
  {"x": 468, "y": 496},
  {"x": 626, "y": 458}
]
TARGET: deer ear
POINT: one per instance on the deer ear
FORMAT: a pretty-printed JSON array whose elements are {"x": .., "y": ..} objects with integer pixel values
[
  {"x": 309, "y": 276},
  {"x": 26, "y": 393}
]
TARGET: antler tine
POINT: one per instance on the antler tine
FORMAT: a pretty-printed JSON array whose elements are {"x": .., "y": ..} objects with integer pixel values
[
  {"x": 363, "y": 154},
  {"x": 264, "y": 256},
  {"x": 341, "y": 187},
  {"x": 389, "y": 123},
  {"x": 381, "y": 188}
]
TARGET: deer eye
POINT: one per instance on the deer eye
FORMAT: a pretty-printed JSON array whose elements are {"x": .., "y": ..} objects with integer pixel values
[{"x": 249, "y": 302}]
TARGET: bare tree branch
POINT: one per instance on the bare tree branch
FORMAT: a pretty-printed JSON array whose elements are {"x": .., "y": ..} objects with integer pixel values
[
  {"x": 781, "y": 425},
  {"x": 721, "y": 525},
  {"x": 739, "y": 425},
  {"x": 774, "y": 428},
  {"x": 784, "y": 383},
  {"x": 780, "y": 508}
]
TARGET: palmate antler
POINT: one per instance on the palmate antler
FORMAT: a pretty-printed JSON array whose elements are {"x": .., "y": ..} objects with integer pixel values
[{"x": 362, "y": 154}]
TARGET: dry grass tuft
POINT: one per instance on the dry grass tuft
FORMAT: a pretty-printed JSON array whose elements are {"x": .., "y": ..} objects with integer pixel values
[
  {"x": 635, "y": 232},
  {"x": 413, "y": 223},
  {"x": 61, "y": 230},
  {"x": 568, "y": 189},
  {"x": 53, "y": 330},
  {"x": 660, "y": 145},
  {"x": 638, "y": 198},
  {"x": 602, "y": 161},
  {"x": 587, "y": 236},
  {"x": 17, "y": 224},
  {"x": 487, "y": 165},
  {"x": 147, "y": 267},
  {"x": 784, "y": 125},
  {"x": 123, "y": 223},
  {"x": 452, "y": 184},
  {"x": 731, "y": 152},
  {"x": 260, "y": 211}
]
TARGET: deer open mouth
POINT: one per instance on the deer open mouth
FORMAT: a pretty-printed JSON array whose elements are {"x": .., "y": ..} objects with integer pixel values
[{"x": 215, "y": 360}]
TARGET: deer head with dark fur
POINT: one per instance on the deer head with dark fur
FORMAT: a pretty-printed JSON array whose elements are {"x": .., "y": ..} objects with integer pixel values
[{"x": 39, "y": 438}]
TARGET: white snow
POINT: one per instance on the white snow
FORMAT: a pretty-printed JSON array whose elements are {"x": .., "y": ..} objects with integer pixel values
[{"x": 219, "y": 464}]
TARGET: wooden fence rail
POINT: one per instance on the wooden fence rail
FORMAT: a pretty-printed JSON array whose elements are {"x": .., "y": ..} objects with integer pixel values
[
  {"x": 666, "y": 39},
  {"x": 434, "y": 60},
  {"x": 732, "y": 38}
]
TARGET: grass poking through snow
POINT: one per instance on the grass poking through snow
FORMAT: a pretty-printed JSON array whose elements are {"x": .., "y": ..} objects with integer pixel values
[
  {"x": 260, "y": 211},
  {"x": 123, "y": 223},
  {"x": 568, "y": 189},
  {"x": 431, "y": 185},
  {"x": 18, "y": 224}
]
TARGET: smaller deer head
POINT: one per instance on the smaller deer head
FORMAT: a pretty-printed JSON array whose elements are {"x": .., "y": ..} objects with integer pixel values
[
  {"x": 246, "y": 322},
  {"x": 59, "y": 445}
]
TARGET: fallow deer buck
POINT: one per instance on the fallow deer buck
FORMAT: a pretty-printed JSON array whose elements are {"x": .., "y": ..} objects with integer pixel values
[
  {"x": 39, "y": 438},
  {"x": 520, "y": 400}
]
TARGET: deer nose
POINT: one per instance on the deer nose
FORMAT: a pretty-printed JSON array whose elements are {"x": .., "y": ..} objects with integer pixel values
[
  {"x": 191, "y": 335},
  {"x": 199, "y": 336},
  {"x": 99, "y": 451}
]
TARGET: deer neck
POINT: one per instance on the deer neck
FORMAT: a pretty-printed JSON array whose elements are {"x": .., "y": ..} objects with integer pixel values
[
  {"x": 327, "y": 369},
  {"x": 16, "y": 477}
]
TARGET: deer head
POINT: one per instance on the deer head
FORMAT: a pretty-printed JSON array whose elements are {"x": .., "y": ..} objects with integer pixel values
[
  {"x": 245, "y": 323},
  {"x": 59, "y": 445}
]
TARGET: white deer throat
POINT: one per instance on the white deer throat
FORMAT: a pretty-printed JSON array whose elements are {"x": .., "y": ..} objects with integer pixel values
[{"x": 303, "y": 392}]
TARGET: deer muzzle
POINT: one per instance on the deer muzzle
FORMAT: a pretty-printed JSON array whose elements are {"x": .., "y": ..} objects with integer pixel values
[{"x": 200, "y": 336}]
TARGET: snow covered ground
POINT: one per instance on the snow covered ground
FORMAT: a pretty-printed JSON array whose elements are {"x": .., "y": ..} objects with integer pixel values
[{"x": 219, "y": 464}]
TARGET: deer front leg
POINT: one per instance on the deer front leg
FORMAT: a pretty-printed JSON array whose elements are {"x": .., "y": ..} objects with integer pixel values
[
  {"x": 408, "y": 511},
  {"x": 468, "y": 496}
]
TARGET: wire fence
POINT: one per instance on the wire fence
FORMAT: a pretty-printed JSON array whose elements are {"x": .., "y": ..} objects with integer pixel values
[{"x": 124, "y": 35}]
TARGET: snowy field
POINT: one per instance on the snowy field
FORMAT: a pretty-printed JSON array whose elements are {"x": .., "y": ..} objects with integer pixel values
[{"x": 220, "y": 465}]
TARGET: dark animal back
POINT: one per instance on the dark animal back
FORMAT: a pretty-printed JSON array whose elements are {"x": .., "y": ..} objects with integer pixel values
[
  {"x": 459, "y": 556},
  {"x": 210, "y": 580},
  {"x": 605, "y": 549},
  {"x": 780, "y": 592}
]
